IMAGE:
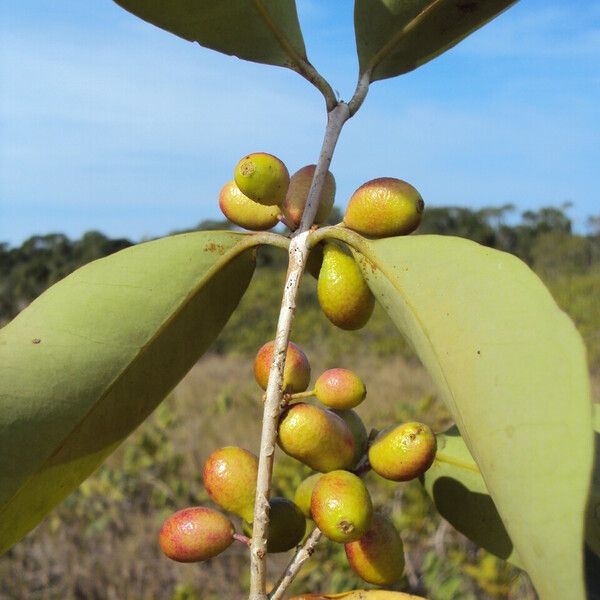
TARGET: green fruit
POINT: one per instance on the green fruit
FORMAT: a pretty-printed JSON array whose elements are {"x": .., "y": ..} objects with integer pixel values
[
  {"x": 378, "y": 556},
  {"x": 344, "y": 296},
  {"x": 315, "y": 260},
  {"x": 287, "y": 525},
  {"x": 341, "y": 506},
  {"x": 340, "y": 389},
  {"x": 316, "y": 437},
  {"x": 243, "y": 211},
  {"x": 384, "y": 207},
  {"x": 403, "y": 452},
  {"x": 263, "y": 178},
  {"x": 195, "y": 534},
  {"x": 297, "y": 194},
  {"x": 304, "y": 493},
  {"x": 296, "y": 373},
  {"x": 230, "y": 480},
  {"x": 359, "y": 433}
]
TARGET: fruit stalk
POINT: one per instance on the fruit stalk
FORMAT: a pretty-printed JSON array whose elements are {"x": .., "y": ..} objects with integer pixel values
[{"x": 298, "y": 254}]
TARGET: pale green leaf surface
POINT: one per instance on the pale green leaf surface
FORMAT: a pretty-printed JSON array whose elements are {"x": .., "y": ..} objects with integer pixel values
[
  {"x": 512, "y": 369},
  {"x": 397, "y": 36},
  {"x": 88, "y": 360},
  {"x": 263, "y": 31}
]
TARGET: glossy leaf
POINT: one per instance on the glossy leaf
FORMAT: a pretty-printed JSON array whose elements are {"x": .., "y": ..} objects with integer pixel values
[
  {"x": 397, "y": 36},
  {"x": 88, "y": 360},
  {"x": 263, "y": 31},
  {"x": 512, "y": 370}
]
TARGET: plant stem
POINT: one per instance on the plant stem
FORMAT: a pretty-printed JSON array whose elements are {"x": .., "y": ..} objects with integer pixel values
[{"x": 298, "y": 254}]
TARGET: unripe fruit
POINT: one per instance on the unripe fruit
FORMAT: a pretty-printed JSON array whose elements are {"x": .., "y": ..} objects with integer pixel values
[
  {"x": 359, "y": 433},
  {"x": 315, "y": 260},
  {"x": 341, "y": 506},
  {"x": 230, "y": 479},
  {"x": 287, "y": 525},
  {"x": 195, "y": 534},
  {"x": 304, "y": 494},
  {"x": 378, "y": 556},
  {"x": 344, "y": 296},
  {"x": 243, "y": 211},
  {"x": 340, "y": 388},
  {"x": 403, "y": 452},
  {"x": 316, "y": 437},
  {"x": 296, "y": 374},
  {"x": 384, "y": 207},
  {"x": 297, "y": 194},
  {"x": 263, "y": 178}
]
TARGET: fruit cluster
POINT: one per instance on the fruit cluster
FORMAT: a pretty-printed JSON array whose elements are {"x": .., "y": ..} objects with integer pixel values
[{"x": 329, "y": 437}]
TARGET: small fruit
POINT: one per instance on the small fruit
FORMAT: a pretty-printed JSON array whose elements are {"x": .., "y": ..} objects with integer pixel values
[
  {"x": 304, "y": 493},
  {"x": 341, "y": 506},
  {"x": 297, "y": 194},
  {"x": 316, "y": 437},
  {"x": 263, "y": 178},
  {"x": 243, "y": 211},
  {"x": 378, "y": 556},
  {"x": 344, "y": 296},
  {"x": 296, "y": 373},
  {"x": 195, "y": 534},
  {"x": 384, "y": 207},
  {"x": 403, "y": 452},
  {"x": 287, "y": 525},
  {"x": 359, "y": 432},
  {"x": 230, "y": 480},
  {"x": 340, "y": 388}
]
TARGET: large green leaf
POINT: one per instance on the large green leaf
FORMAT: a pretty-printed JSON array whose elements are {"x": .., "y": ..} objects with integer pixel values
[
  {"x": 397, "y": 36},
  {"x": 263, "y": 31},
  {"x": 88, "y": 360},
  {"x": 458, "y": 491},
  {"x": 512, "y": 369}
]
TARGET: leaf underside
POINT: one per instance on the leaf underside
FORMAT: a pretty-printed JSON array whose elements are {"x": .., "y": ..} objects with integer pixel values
[
  {"x": 87, "y": 361},
  {"x": 396, "y": 36},
  {"x": 512, "y": 370}
]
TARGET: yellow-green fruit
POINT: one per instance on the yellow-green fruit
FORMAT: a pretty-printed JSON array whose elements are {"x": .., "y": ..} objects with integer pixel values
[
  {"x": 195, "y": 534},
  {"x": 340, "y": 388},
  {"x": 316, "y": 437},
  {"x": 304, "y": 493},
  {"x": 263, "y": 178},
  {"x": 297, "y": 194},
  {"x": 287, "y": 525},
  {"x": 344, "y": 296},
  {"x": 403, "y": 452},
  {"x": 315, "y": 260},
  {"x": 384, "y": 207},
  {"x": 359, "y": 432},
  {"x": 230, "y": 479},
  {"x": 378, "y": 556},
  {"x": 296, "y": 374},
  {"x": 341, "y": 506},
  {"x": 243, "y": 211}
]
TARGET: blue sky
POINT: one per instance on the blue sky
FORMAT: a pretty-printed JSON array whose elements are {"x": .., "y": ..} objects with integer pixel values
[{"x": 109, "y": 123}]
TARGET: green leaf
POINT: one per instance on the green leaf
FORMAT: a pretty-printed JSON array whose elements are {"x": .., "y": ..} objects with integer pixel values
[
  {"x": 87, "y": 361},
  {"x": 396, "y": 36},
  {"x": 263, "y": 31},
  {"x": 512, "y": 370},
  {"x": 592, "y": 530}
]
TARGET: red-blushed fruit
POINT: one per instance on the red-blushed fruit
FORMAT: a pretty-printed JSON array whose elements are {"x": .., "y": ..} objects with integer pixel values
[
  {"x": 359, "y": 432},
  {"x": 230, "y": 479},
  {"x": 341, "y": 506},
  {"x": 263, "y": 178},
  {"x": 384, "y": 207},
  {"x": 296, "y": 374},
  {"x": 297, "y": 195},
  {"x": 195, "y": 534},
  {"x": 316, "y": 437},
  {"x": 403, "y": 452},
  {"x": 378, "y": 556},
  {"x": 340, "y": 389},
  {"x": 243, "y": 211},
  {"x": 304, "y": 492}
]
